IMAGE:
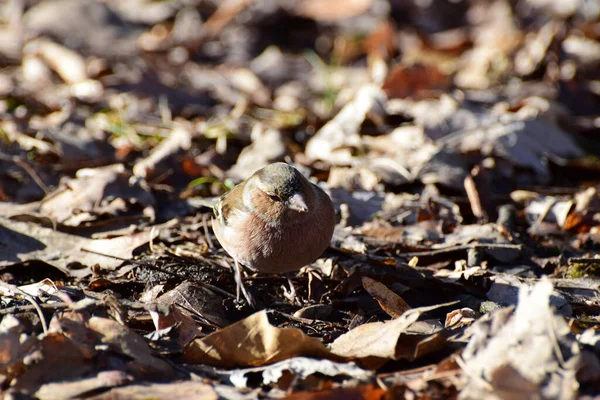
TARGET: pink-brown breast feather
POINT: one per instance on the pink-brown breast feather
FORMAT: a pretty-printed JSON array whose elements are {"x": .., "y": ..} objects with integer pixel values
[{"x": 297, "y": 241}]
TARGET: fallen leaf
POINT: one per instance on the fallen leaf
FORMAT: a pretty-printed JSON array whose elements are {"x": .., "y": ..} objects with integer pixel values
[
  {"x": 377, "y": 342},
  {"x": 418, "y": 81},
  {"x": 389, "y": 301},
  {"x": 336, "y": 139},
  {"x": 332, "y": 10},
  {"x": 253, "y": 341},
  {"x": 81, "y": 387},
  {"x": 300, "y": 367},
  {"x": 74, "y": 250},
  {"x": 58, "y": 358},
  {"x": 362, "y": 392},
  {"x": 167, "y": 391},
  {"x": 522, "y": 353},
  {"x": 94, "y": 193},
  {"x": 125, "y": 341}
]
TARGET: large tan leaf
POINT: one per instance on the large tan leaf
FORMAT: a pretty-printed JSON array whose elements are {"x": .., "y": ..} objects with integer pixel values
[
  {"x": 252, "y": 342},
  {"x": 377, "y": 342}
]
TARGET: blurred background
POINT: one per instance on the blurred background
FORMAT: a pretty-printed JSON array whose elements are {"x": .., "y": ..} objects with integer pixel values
[{"x": 495, "y": 95}]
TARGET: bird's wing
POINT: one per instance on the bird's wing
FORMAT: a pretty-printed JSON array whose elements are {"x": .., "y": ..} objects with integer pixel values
[{"x": 229, "y": 203}]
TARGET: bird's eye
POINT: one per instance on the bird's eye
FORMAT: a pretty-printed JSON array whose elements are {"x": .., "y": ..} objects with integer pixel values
[{"x": 273, "y": 197}]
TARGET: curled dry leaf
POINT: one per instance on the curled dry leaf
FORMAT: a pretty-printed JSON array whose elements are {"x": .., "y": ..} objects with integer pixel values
[
  {"x": 389, "y": 301},
  {"x": 549, "y": 209},
  {"x": 183, "y": 328},
  {"x": 459, "y": 318},
  {"x": 253, "y": 341}
]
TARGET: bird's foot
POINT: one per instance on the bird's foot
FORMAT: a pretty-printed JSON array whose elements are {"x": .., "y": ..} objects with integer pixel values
[
  {"x": 291, "y": 295},
  {"x": 240, "y": 287}
]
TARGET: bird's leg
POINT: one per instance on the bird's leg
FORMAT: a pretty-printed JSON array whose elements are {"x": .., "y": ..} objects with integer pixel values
[
  {"x": 240, "y": 287},
  {"x": 292, "y": 296}
]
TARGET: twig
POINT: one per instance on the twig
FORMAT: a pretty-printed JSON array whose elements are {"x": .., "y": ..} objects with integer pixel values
[
  {"x": 30, "y": 299},
  {"x": 461, "y": 248},
  {"x": 104, "y": 254},
  {"x": 582, "y": 260},
  {"x": 34, "y": 175}
]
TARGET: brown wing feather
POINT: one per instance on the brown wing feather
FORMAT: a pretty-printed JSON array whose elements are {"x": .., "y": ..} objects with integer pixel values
[{"x": 230, "y": 201}]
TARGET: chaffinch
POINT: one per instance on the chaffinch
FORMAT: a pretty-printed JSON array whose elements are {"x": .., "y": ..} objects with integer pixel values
[{"x": 275, "y": 221}]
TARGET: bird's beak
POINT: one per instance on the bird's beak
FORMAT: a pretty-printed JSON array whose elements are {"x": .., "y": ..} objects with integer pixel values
[{"x": 297, "y": 203}]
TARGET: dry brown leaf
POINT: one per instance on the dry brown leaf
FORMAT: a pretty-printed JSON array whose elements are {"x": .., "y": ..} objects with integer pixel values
[
  {"x": 58, "y": 359},
  {"x": 185, "y": 328},
  {"x": 382, "y": 41},
  {"x": 78, "y": 388},
  {"x": 418, "y": 81},
  {"x": 125, "y": 341},
  {"x": 363, "y": 392},
  {"x": 167, "y": 391},
  {"x": 336, "y": 139},
  {"x": 377, "y": 342},
  {"x": 96, "y": 192},
  {"x": 459, "y": 318},
  {"x": 413, "y": 347},
  {"x": 332, "y": 10},
  {"x": 180, "y": 139},
  {"x": 506, "y": 356},
  {"x": 26, "y": 241},
  {"x": 199, "y": 298},
  {"x": 10, "y": 346},
  {"x": 253, "y": 341},
  {"x": 389, "y": 301},
  {"x": 267, "y": 146}
]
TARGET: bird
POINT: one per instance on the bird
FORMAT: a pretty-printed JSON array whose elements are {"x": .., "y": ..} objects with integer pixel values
[{"x": 275, "y": 221}]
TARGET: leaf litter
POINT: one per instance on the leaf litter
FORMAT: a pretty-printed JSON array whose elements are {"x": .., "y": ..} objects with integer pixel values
[{"x": 457, "y": 141}]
